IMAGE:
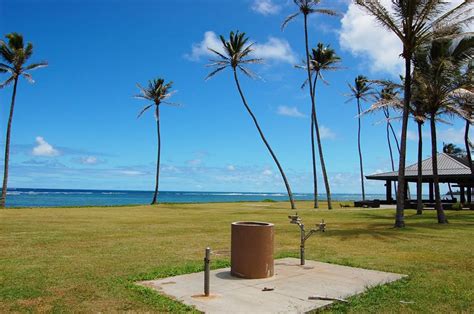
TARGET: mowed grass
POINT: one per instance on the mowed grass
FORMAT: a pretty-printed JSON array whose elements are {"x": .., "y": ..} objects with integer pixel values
[{"x": 86, "y": 259}]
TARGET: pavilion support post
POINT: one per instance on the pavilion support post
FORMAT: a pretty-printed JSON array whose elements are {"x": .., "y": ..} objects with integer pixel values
[
  {"x": 469, "y": 194},
  {"x": 405, "y": 193},
  {"x": 463, "y": 195},
  {"x": 388, "y": 191},
  {"x": 431, "y": 193}
]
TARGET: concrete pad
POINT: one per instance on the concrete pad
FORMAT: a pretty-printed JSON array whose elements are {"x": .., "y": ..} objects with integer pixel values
[{"x": 292, "y": 284}]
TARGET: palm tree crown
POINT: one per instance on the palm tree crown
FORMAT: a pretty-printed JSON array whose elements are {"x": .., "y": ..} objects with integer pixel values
[
  {"x": 307, "y": 7},
  {"x": 323, "y": 58},
  {"x": 157, "y": 91},
  {"x": 361, "y": 90},
  {"x": 15, "y": 54},
  {"x": 235, "y": 54},
  {"x": 437, "y": 75}
]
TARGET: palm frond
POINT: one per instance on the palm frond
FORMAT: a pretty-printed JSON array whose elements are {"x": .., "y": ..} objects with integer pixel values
[
  {"x": 6, "y": 68},
  {"x": 7, "y": 82},
  {"x": 37, "y": 65},
  {"x": 288, "y": 19},
  {"x": 144, "y": 109},
  {"x": 218, "y": 53},
  {"x": 28, "y": 77},
  {"x": 215, "y": 72},
  {"x": 249, "y": 73}
]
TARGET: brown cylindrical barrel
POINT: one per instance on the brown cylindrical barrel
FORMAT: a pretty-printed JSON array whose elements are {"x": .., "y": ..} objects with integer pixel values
[{"x": 252, "y": 249}]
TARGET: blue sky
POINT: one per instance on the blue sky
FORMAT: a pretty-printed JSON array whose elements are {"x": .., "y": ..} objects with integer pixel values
[{"x": 76, "y": 126}]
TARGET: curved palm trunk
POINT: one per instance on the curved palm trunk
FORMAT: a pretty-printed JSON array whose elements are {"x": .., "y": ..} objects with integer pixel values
[
  {"x": 3, "y": 197},
  {"x": 468, "y": 148},
  {"x": 155, "y": 195},
  {"x": 398, "y": 150},
  {"x": 313, "y": 155},
  {"x": 320, "y": 149},
  {"x": 390, "y": 150},
  {"x": 399, "y": 215},
  {"x": 419, "y": 182},
  {"x": 439, "y": 207},
  {"x": 360, "y": 151},
  {"x": 287, "y": 185},
  {"x": 313, "y": 108},
  {"x": 314, "y": 121}
]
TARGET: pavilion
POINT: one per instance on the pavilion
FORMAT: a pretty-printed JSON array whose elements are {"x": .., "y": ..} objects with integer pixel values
[{"x": 452, "y": 170}]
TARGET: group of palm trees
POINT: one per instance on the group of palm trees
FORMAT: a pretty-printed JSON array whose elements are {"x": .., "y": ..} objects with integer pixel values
[{"x": 438, "y": 80}]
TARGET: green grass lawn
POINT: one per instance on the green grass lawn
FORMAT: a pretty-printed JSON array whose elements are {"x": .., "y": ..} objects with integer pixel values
[{"x": 86, "y": 259}]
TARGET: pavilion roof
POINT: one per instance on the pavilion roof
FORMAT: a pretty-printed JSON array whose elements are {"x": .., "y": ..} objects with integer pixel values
[{"x": 449, "y": 167}]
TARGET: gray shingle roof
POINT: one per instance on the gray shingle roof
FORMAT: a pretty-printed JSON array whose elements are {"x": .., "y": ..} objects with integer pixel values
[{"x": 447, "y": 166}]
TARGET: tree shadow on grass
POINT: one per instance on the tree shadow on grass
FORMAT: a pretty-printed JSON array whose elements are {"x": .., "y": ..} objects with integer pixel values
[
  {"x": 377, "y": 231},
  {"x": 384, "y": 230}
]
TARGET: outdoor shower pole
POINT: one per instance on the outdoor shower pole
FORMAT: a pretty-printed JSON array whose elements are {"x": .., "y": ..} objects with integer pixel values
[
  {"x": 302, "y": 233},
  {"x": 206, "y": 271}
]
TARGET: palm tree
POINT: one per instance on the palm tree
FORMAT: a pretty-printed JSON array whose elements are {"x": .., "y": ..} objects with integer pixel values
[
  {"x": 388, "y": 98},
  {"x": 305, "y": 8},
  {"x": 158, "y": 92},
  {"x": 235, "y": 55},
  {"x": 437, "y": 69},
  {"x": 361, "y": 90},
  {"x": 465, "y": 98},
  {"x": 412, "y": 22},
  {"x": 323, "y": 58},
  {"x": 419, "y": 112},
  {"x": 14, "y": 54},
  {"x": 453, "y": 149}
]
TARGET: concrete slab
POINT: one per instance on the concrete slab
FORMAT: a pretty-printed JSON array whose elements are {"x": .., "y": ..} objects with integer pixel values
[{"x": 292, "y": 284}]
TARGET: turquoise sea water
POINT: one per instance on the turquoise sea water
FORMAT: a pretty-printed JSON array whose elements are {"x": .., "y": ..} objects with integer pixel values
[{"x": 54, "y": 197}]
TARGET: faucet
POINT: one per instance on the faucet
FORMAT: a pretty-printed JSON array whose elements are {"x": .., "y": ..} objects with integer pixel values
[{"x": 295, "y": 219}]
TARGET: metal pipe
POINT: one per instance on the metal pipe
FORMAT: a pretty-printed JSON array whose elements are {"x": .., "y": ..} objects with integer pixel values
[
  {"x": 207, "y": 261},
  {"x": 295, "y": 219},
  {"x": 302, "y": 233}
]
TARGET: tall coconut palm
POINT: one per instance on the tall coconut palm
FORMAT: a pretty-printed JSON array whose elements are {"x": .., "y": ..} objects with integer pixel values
[
  {"x": 388, "y": 98},
  {"x": 236, "y": 54},
  {"x": 465, "y": 98},
  {"x": 306, "y": 8},
  {"x": 14, "y": 55},
  {"x": 361, "y": 90},
  {"x": 419, "y": 113},
  {"x": 157, "y": 92},
  {"x": 412, "y": 21},
  {"x": 437, "y": 69},
  {"x": 322, "y": 59}
]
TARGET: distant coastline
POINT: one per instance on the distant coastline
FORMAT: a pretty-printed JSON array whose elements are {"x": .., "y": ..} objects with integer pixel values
[{"x": 40, "y": 197}]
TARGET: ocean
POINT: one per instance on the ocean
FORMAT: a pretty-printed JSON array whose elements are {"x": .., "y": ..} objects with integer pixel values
[{"x": 70, "y": 197}]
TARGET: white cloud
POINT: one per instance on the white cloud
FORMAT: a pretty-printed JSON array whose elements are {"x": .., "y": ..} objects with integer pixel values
[
  {"x": 43, "y": 148},
  {"x": 131, "y": 172},
  {"x": 275, "y": 49},
  {"x": 326, "y": 133},
  {"x": 363, "y": 36},
  {"x": 452, "y": 135},
  {"x": 231, "y": 168},
  {"x": 290, "y": 112},
  {"x": 89, "y": 160},
  {"x": 199, "y": 50},
  {"x": 267, "y": 172},
  {"x": 194, "y": 162},
  {"x": 265, "y": 7}
]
